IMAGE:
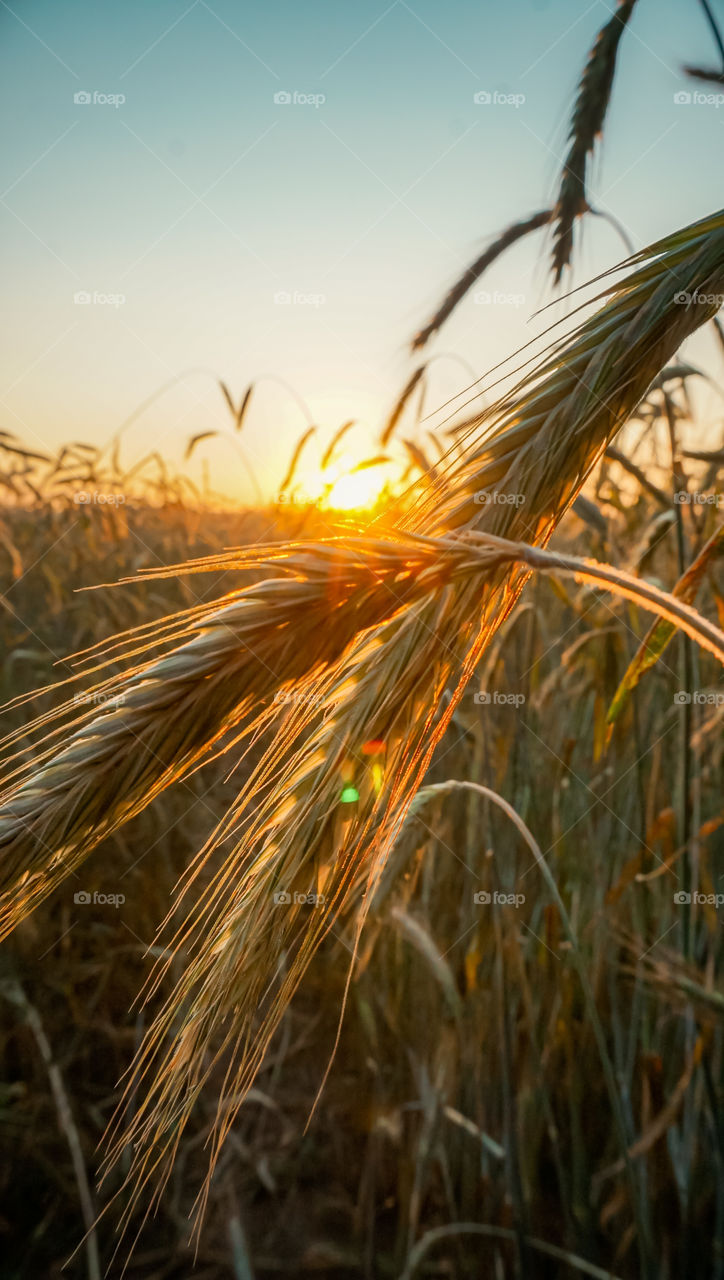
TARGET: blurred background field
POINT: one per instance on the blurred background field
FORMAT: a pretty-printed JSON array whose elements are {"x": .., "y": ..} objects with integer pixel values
[{"x": 467, "y": 1086}]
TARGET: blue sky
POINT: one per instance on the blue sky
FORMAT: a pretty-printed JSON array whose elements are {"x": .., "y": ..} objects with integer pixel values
[{"x": 200, "y": 199}]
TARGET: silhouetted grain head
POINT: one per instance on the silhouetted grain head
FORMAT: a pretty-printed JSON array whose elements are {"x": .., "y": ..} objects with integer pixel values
[
  {"x": 594, "y": 93},
  {"x": 400, "y": 405},
  {"x": 709, "y": 75}
]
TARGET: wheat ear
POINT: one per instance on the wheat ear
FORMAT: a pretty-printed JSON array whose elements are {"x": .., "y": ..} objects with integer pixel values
[
  {"x": 103, "y": 756},
  {"x": 589, "y": 113},
  {"x": 541, "y": 440}
]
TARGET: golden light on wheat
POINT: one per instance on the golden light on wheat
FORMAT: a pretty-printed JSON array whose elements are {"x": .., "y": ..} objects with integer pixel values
[{"x": 343, "y": 643}]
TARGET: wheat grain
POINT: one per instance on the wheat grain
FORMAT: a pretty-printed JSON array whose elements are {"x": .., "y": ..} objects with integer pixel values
[
  {"x": 594, "y": 92},
  {"x": 163, "y": 718}
]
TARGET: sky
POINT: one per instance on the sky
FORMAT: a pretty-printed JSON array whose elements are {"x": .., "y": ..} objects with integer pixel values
[{"x": 284, "y": 192}]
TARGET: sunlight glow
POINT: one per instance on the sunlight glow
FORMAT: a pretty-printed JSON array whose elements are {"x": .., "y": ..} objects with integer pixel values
[{"x": 356, "y": 489}]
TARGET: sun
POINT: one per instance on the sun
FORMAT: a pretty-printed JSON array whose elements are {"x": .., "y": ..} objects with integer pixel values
[
  {"x": 347, "y": 484},
  {"x": 356, "y": 490}
]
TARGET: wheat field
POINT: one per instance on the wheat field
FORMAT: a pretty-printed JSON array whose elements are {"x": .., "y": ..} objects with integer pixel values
[{"x": 361, "y": 861}]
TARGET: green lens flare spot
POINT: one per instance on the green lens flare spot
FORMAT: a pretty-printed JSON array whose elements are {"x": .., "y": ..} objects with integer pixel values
[{"x": 349, "y": 795}]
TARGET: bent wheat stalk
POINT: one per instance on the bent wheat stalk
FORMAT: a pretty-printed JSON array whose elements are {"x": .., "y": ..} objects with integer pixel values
[
  {"x": 512, "y": 234},
  {"x": 594, "y": 92},
  {"x": 661, "y": 603}
]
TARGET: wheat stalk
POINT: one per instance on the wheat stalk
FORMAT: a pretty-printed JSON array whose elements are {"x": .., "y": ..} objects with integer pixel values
[
  {"x": 709, "y": 75},
  {"x": 510, "y": 236},
  {"x": 589, "y": 113},
  {"x": 661, "y": 603},
  {"x": 594, "y": 92},
  {"x": 400, "y": 404}
]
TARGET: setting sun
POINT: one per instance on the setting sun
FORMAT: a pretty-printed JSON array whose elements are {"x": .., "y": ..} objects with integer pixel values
[{"x": 356, "y": 489}]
